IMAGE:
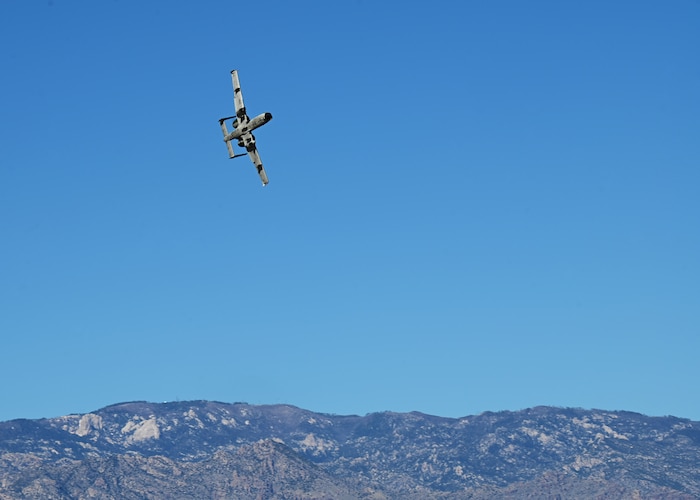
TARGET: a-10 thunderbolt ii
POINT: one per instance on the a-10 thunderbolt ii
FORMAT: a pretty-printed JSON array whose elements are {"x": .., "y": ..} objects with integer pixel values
[{"x": 243, "y": 128}]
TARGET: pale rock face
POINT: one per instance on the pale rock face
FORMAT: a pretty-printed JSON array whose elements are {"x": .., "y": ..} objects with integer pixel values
[
  {"x": 88, "y": 422},
  {"x": 614, "y": 434},
  {"x": 191, "y": 415},
  {"x": 543, "y": 438},
  {"x": 141, "y": 430},
  {"x": 585, "y": 462},
  {"x": 317, "y": 445},
  {"x": 583, "y": 422},
  {"x": 230, "y": 422}
]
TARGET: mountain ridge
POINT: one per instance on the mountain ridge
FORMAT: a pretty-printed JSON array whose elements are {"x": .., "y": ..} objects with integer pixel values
[{"x": 378, "y": 455}]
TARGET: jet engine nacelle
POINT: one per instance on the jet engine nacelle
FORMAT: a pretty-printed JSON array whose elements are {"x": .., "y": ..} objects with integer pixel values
[{"x": 259, "y": 121}]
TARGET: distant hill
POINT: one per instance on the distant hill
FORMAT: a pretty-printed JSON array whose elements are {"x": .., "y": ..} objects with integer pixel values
[{"x": 202, "y": 449}]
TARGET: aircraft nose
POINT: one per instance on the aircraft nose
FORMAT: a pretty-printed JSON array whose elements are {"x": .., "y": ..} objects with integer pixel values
[{"x": 268, "y": 117}]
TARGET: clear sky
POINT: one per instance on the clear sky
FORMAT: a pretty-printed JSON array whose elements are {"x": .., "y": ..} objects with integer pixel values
[{"x": 473, "y": 206}]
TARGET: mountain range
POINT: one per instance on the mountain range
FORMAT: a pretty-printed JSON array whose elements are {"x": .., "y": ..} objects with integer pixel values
[{"x": 206, "y": 449}]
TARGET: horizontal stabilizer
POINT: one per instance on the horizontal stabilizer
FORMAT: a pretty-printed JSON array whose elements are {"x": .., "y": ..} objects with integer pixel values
[{"x": 222, "y": 122}]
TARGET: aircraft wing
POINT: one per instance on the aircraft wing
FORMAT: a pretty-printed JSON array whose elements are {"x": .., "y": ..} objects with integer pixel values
[
  {"x": 237, "y": 95},
  {"x": 255, "y": 158}
]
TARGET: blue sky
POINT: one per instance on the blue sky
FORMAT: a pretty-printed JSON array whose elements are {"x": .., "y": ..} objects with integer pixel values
[{"x": 472, "y": 205}]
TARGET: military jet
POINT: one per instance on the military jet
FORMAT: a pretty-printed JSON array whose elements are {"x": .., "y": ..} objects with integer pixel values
[{"x": 243, "y": 128}]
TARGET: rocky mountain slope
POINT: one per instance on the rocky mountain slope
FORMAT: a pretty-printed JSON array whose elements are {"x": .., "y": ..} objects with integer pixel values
[{"x": 201, "y": 449}]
